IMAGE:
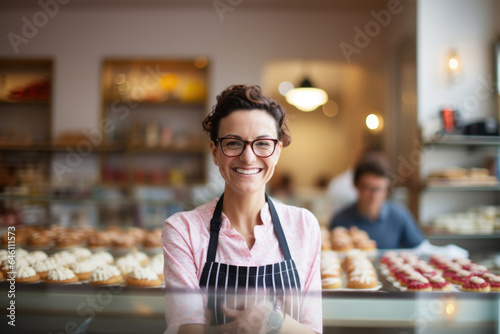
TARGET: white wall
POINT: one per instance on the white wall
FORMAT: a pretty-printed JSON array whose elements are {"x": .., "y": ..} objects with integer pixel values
[
  {"x": 469, "y": 27},
  {"x": 238, "y": 48}
]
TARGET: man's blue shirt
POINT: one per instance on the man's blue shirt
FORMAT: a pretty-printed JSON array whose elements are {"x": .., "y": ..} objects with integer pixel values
[{"x": 394, "y": 228}]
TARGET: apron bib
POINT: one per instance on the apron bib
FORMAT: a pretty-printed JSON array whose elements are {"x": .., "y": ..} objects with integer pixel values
[{"x": 238, "y": 287}]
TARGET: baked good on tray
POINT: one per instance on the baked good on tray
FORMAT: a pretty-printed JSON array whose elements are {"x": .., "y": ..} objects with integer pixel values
[
  {"x": 83, "y": 269},
  {"x": 331, "y": 283},
  {"x": 27, "y": 274},
  {"x": 106, "y": 275},
  {"x": 439, "y": 283},
  {"x": 143, "y": 277},
  {"x": 362, "y": 281},
  {"x": 61, "y": 275},
  {"x": 476, "y": 284}
]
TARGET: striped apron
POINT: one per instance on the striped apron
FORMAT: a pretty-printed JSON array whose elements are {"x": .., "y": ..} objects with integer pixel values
[{"x": 238, "y": 287}]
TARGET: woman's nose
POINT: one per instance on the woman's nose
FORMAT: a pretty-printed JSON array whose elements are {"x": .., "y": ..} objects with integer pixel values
[{"x": 248, "y": 156}]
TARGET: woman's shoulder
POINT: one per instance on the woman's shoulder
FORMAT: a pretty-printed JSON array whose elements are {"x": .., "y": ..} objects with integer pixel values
[
  {"x": 295, "y": 213},
  {"x": 188, "y": 217}
]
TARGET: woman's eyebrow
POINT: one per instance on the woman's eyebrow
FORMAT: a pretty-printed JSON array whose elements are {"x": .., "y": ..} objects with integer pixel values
[{"x": 239, "y": 137}]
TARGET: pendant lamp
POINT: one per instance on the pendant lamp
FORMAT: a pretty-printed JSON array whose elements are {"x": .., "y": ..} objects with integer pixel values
[{"x": 306, "y": 97}]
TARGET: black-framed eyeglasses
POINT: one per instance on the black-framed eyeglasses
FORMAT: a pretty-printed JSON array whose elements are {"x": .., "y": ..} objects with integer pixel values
[{"x": 233, "y": 147}]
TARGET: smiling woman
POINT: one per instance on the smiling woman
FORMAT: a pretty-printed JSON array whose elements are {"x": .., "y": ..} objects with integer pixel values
[{"x": 250, "y": 249}]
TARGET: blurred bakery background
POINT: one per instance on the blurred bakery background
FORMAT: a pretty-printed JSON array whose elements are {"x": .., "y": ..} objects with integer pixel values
[{"x": 101, "y": 104}]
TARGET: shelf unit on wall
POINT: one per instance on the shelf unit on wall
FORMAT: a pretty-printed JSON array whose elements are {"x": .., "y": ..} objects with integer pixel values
[
  {"x": 25, "y": 123},
  {"x": 462, "y": 195},
  {"x": 175, "y": 95},
  {"x": 154, "y": 108}
]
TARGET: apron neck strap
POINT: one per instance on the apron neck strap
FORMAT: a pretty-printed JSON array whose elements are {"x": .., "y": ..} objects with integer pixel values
[
  {"x": 280, "y": 235},
  {"x": 216, "y": 223}
]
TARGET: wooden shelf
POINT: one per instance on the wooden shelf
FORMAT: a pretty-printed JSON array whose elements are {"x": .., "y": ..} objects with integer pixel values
[
  {"x": 185, "y": 149},
  {"x": 462, "y": 188},
  {"x": 167, "y": 103},
  {"x": 57, "y": 147},
  {"x": 462, "y": 140},
  {"x": 24, "y": 102}
]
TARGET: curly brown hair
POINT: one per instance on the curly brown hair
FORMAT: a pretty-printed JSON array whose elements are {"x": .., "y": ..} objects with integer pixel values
[{"x": 246, "y": 97}]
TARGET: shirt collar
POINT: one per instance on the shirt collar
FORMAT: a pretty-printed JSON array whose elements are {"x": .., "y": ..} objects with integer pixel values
[{"x": 265, "y": 216}]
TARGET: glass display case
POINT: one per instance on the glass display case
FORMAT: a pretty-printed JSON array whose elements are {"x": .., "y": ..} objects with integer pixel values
[{"x": 45, "y": 308}]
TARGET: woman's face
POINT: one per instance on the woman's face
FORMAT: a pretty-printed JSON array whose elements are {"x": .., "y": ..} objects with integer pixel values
[{"x": 246, "y": 173}]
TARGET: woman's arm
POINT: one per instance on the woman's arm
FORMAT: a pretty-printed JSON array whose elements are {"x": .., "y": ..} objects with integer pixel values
[{"x": 184, "y": 300}]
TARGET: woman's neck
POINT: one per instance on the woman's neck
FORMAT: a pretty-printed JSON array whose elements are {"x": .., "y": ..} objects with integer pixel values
[{"x": 243, "y": 210}]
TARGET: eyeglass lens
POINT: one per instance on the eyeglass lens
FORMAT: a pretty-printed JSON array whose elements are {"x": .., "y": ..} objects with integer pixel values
[{"x": 261, "y": 147}]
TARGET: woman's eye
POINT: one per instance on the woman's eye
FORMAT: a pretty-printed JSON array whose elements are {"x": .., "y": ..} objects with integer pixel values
[
  {"x": 263, "y": 143},
  {"x": 233, "y": 143}
]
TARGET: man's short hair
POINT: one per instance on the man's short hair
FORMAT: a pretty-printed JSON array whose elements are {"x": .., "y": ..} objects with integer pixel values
[{"x": 370, "y": 167}]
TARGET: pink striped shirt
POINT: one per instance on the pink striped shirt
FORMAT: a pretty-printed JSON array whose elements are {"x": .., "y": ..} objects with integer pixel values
[{"x": 185, "y": 239}]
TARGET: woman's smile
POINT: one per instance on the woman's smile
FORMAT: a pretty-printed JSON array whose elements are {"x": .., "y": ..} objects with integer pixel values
[{"x": 247, "y": 171}]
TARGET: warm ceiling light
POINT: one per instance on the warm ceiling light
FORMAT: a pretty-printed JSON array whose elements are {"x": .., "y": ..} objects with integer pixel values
[
  {"x": 453, "y": 63},
  {"x": 372, "y": 121},
  {"x": 306, "y": 97}
]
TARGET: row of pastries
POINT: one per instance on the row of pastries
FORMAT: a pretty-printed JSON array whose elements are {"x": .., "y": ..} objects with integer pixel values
[{"x": 80, "y": 264}]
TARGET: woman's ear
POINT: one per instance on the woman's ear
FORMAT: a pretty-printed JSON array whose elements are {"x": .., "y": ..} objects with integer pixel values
[
  {"x": 213, "y": 150},
  {"x": 277, "y": 152}
]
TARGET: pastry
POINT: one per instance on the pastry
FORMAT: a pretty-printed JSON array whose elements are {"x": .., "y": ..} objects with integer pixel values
[
  {"x": 137, "y": 233},
  {"x": 342, "y": 244},
  {"x": 124, "y": 242},
  {"x": 6, "y": 265},
  {"x": 81, "y": 253},
  {"x": 494, "y": 282},
  {"x": 99, "y": 240},
  {"x": 141, "y": 257},
  {"x": 366, "y": 245},
  {"x": 64, "y": 258},
  {"x": 363, "y": 281},
  {"x": 459, "y": 278},
  {"x": 463, "y": 262},
  {"x": 126, "y": 264},
  {"x": 419, "y": 285},
  {"x": 84, "y": 230},
  {"x": 4, "y": 255},
  {"x": 68, "y": 240},
  {"x": 476, "y": 284},
  {"x": 61, "y": 275},
  {"x": 26, "y": 275},
  {"x": 477, "y": 270},
  {"x": 330, "y": 266},
  {"x": 439, "y": 283},
  {"x": 156, "y": 264},
  {"x": 151, "y": 241},
  {"x": 41, "y": 240},
  {"x": 143, "y": 277},
  {"x": 38, "y": 256},
  {"x": 83, "y": 269},
  {"x": 331, "y": 283},
  {"x": 19, "y": 240},
  {"x": 106, "y": 275},
  {"x": 325, "y": 239},
  {"x": 102, "y": 258},
  {"x": 42, "y": 268}
]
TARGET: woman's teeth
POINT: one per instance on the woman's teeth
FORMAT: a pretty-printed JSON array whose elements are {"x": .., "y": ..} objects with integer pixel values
[{"x": 247, "y": 171}]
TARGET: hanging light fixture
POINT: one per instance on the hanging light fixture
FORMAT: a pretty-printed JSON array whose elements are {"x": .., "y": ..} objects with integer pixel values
[{"x": 306, "y": 97}]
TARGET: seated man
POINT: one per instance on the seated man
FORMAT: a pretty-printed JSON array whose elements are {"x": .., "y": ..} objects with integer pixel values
[{"x": 388, "y": 223}]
